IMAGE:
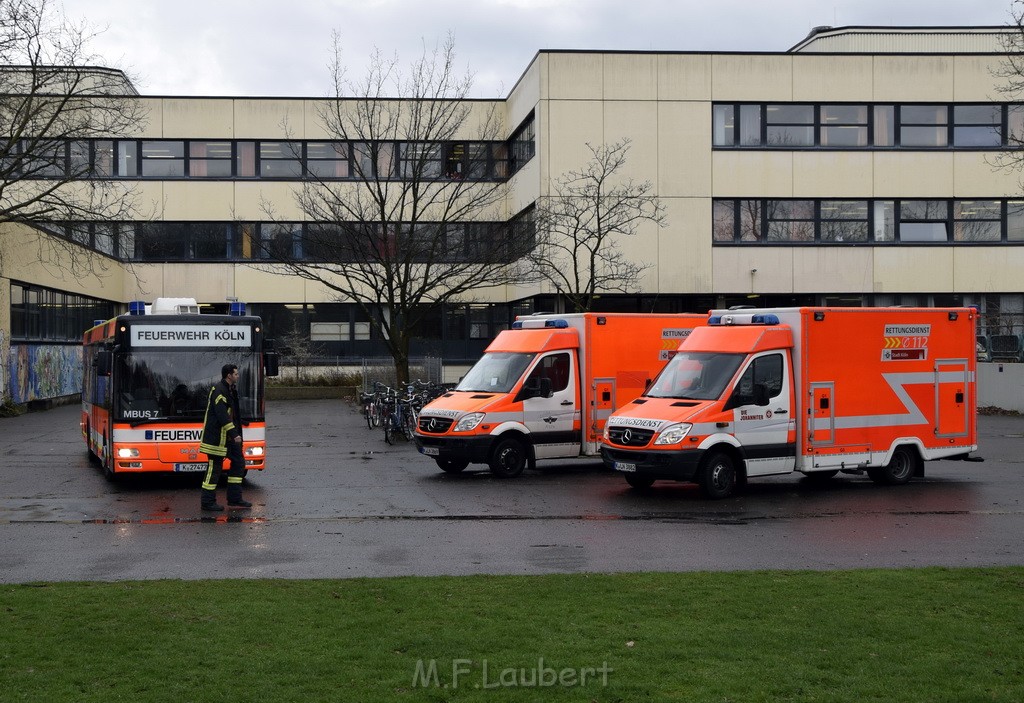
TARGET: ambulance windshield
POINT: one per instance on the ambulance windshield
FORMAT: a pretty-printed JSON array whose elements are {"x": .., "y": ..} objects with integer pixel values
[
  {"x": 695, "y": 376},
  {"x": 496, "y": 372}
]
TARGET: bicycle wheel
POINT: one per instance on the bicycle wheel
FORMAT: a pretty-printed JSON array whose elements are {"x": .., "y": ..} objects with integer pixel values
[
  {"x": 409, "y": 424},
  {"x": 389, "y": 432}
]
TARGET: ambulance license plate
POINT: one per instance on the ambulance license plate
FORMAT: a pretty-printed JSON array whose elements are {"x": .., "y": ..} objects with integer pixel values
[
  {"x": 431, "y": 451},
  {"x": 182, "y": 468},
  {"x": 623, "y": 466}
]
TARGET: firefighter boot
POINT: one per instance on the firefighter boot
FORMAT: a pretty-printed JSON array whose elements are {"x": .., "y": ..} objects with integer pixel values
[{"x": 235, "y": 493}]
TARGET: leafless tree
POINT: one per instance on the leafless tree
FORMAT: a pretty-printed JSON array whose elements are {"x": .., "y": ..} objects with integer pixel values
[
  {"x": 54, "y": 97},
  {"x": 407, "y": 209},
  {"x": 580, "y": 225}
]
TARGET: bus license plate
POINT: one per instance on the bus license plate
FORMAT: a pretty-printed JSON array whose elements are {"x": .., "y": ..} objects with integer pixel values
[
  {"x": 623, "y": 466},
  {"x": 190, "y": 467},
  {"x": 431, "y": 451}
]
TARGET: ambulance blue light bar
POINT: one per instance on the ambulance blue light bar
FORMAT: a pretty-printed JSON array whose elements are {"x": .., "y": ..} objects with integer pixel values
[
  {"x": 529, "y": 324},
  {"x": 237, "y": 308},
  {"x": 740, "y": 319},
  {"x": 137, "y": 307}
]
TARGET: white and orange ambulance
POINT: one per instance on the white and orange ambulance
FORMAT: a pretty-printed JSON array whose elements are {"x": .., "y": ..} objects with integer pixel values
[
  {"x": 759, "y": 392},
  {"x": 544, "y": 389}
]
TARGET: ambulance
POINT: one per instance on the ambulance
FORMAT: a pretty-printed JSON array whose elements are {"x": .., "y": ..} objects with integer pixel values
[
  {"x": 544, "y": 389},
  {"x": 815, "y": 390}
]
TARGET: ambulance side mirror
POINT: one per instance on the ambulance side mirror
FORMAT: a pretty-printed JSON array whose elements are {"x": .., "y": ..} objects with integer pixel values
[{"x": 761, "y": 394}]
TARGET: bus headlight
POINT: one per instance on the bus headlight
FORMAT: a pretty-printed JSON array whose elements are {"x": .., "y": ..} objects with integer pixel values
[
  {"x": 254, "y": 451},
  {"x": 673, "y": 434},
  {"x": 127, "y": 453},
  {"x": 469, "y": 422}
]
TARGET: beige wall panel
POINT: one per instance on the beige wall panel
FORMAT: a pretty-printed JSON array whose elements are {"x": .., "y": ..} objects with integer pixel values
[
  {"x": 575, "y": 76},
  {"x": 839, "y": 78},
  {"x": 630, "y": 77},
  {"x": 752, "y": 270},
  {"x": 987, "y": 269},
  {"x": 207, "y": 283},
  {"x": 143, "y": 282},
  {"x": 637, "y": 120},
  {"x": 197, "y": 118},
  {"x": 148, "y": 198},
  {"x": 684, "y": 153},
  {"x": 684, "y": 257},
  {"x": 268, "y": 119},
  {"x": 914, "y": 78},
  {"x": 831, "y": 174},
  {"x": 23, "y": 251},
  {"x": 684, "y": 77},
  {"x": 830, "y": 269},
  {"x": 575, "y": 123},
  {"x": 249, "y": 197},
  {"x": 259, "y": 285},
  {"x": 917, "y": 174},
  {"x": 152, "y": 124},
  {"x": 750, "y": 77},
  {"x": 524, "y": 95},
  {"x": 524, "y": 187},
  {"x": 313, "y": 126},
  {"x": 752, "y": 174},
  {"x": 975, "y": 175},
  {"x": 191, "y": 200},
  {"x": 913, "y": 269},
  {"x": 973, "y": 79}
]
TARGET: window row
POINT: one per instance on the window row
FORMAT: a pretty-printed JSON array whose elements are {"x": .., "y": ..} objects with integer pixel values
[
  {"x": 853, "y": 126},
  {"x": 324, "y": 242},
  {"x": 42, "y": 314},
  {"x": 868, "y": 221},
  {"x": 278, "y": 159}
]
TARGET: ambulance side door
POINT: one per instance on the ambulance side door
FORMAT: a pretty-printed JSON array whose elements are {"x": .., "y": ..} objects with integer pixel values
[
  {"x": 767, "y": 433},
  {"x": 553, "y": 422}
]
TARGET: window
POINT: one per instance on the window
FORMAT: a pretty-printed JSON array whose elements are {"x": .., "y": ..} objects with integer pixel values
[
  {"x": 924, "y": 221},
  {"x": 280, "y": 241},
  {"x": 844, "y": 220},
  {"x": 280, "y": 159},
  {"x": 885, "y": 125},
  {"x": 556, "y": 368},
  {"x": 977, "y": 221},
  {"x": 977, "y": 126},
  {"x": 210, "y": 159},
  {"x": 245, "y": 159},
  {"x": 327, "y": 159},
  {"x": 750, "y": 125},
  {"x": 924, "y": 125},
  {"x": 163, "y": 159},
  {"x": 764, "y": 370},
  {"x": 521, "y": 145},
  {"x": 844, "y": 125},
  {"x": 885, "y": 221},
  {"x": 211, "y": 240},
  {"x": 790, "y": 220},
  {"x": 128, "y": 159},
  {"x": 723, "y": 118},
  {"x": 750, "y": 221},
  {"x": 420, "y": 160},
  {"x": 723, "y": 220},
  {"x": 789, "y": 125},
  {"x": 1015, "y": 221}
]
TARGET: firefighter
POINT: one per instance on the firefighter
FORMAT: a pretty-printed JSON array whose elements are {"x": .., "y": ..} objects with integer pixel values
[{"x": 222, "y": 437}]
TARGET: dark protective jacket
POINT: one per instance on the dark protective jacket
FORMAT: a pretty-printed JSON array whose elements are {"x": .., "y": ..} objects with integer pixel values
[{"x": 223, "y": 420}]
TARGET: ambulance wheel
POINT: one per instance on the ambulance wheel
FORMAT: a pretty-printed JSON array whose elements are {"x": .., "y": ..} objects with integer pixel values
[
  {"x": 639, "y": 482},
  {"x": 718, "y": 476},
  {"x": 900, "y": 469},
  {"x": 451, "y": 466},
  {"x": 509, "y": 458}
]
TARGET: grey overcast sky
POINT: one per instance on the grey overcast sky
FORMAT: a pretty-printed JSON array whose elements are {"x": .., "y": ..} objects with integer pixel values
[{"x": 279, "y": 48}]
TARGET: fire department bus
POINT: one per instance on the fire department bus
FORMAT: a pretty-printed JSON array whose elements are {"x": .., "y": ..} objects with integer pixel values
[{"x": 147, "y": 376}]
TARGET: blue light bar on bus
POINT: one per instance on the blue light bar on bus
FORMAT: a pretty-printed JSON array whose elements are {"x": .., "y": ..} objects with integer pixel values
[
  {"x": 137, "y": 307},
  {"x": 237, "y": 308}
]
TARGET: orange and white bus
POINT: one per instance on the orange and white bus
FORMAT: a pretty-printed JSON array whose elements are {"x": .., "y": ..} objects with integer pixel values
[{"x": 147, "y": 376}]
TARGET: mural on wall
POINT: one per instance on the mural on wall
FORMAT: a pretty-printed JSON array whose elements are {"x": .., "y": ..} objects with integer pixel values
[
  {"x": 43, "y": 371},
  {"x": 4, "y": 353}
]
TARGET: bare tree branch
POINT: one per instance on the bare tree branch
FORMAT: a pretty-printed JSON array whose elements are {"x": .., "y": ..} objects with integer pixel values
[{"x": 580, "y": 224}]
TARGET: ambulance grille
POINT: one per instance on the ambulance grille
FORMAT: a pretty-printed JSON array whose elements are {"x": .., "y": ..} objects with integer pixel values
[
  {"x": 630, "y": 436},
  {"x": 435, "y": 425}
]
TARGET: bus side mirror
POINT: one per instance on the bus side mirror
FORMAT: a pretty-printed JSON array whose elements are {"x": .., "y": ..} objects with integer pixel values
[
  {"x": 270, "y": 363},
  {"x": 104, "y": 363}
]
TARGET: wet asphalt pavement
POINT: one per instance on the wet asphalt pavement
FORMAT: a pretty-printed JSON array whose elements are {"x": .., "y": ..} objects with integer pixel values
[{"x": 336, "y": 501}]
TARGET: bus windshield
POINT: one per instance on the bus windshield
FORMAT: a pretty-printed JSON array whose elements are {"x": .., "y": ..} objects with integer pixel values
[
  {"x": 159, "y": 383},
  {"x": 695, "y": 376},
  {"x": 496, "y": 372}
]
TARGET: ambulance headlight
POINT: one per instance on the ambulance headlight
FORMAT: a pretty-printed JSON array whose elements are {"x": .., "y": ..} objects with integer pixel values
[
  {"x": 127, "y": 453},
  {"x": 468, "y": 422},
  {"x": 673, "y": 434},
  {"x": 254, "y": 451}
]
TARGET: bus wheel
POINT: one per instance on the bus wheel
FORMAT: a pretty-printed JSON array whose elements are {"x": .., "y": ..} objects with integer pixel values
[
  {"x": 639, "y": 482},
  {"x": 717, "y": 476},
  {"x": 900, "y": 469},
  {"x": 509, "y": 458},
  {"x": 452, "y": 466}
]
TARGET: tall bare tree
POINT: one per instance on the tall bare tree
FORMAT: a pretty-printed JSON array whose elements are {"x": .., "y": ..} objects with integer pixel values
[
  {"x": 581, "y": 223},
  {"x": 420, "y": 215},
  {"x": 54, "y": 96}
]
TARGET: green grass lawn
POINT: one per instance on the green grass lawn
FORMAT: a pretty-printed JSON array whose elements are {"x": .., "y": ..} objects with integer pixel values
[{"x": 879, "y": 635}]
